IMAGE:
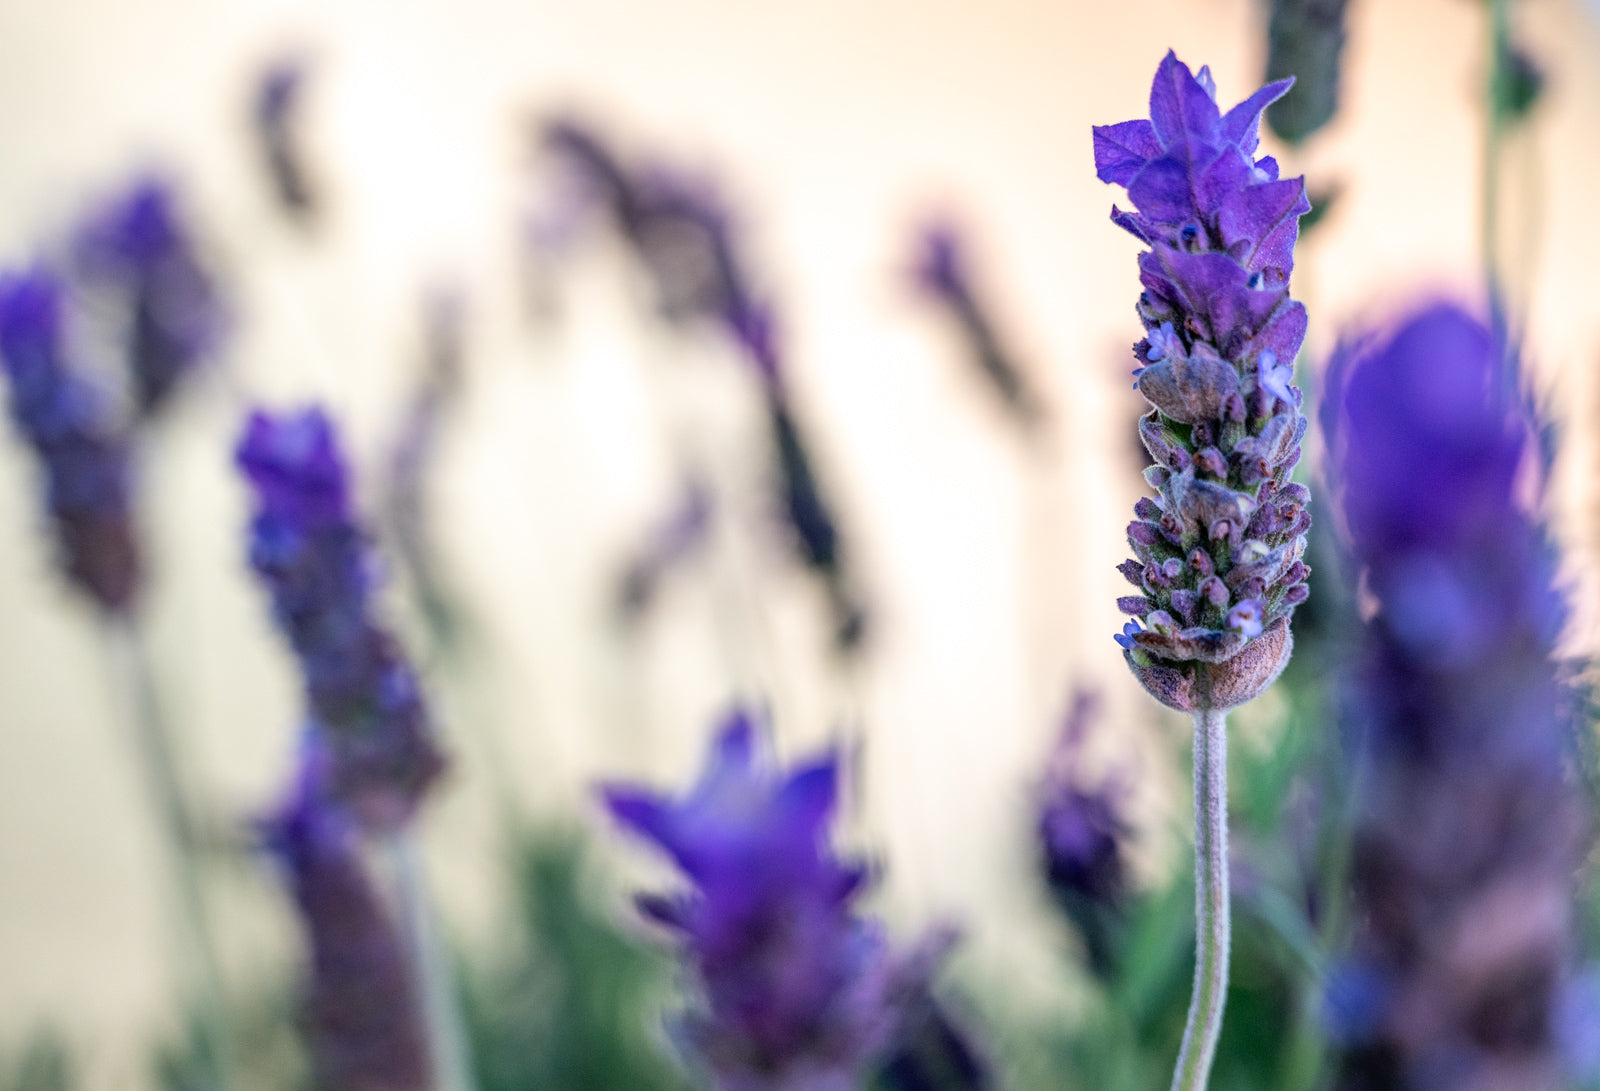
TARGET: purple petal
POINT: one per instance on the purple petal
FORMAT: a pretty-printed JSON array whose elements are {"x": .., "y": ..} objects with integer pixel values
[
  {"x": 1121, "y": 150},
  {"x": 1241, "y": 125},
  {"x": 1180, "y": 109},
  {"x": 1132, "y": 223},
  {"x": 641, "y": 811},
  {"x": 809, "y": 795},
  {"x": 1252, "y": 212},
  {"x": 1161, "y": 191}
]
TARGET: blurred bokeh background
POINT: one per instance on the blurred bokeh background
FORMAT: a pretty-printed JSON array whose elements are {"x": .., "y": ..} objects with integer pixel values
[{"x": 983, "y": 554}]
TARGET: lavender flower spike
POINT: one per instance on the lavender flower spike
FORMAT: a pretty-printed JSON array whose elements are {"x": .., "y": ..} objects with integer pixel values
[
  {"x": 796, "y": 987},
  {"x": 1219, "y": 549},
  {"x": 74, "y": 428},
  {"x": 279, "y": 96},
  {"x": 1470, "y": 832},
  {"x": 314, "y": 559},
  {"x": 139, "y": 251},
  {"x": 363, "y": 1017},
  {"x": 1083, "y": 837}
]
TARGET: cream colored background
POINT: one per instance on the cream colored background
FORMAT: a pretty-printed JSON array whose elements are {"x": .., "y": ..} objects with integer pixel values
[{"x": 833, "y": 125}]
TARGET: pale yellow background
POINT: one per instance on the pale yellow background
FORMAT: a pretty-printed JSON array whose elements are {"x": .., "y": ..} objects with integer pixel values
[{"x": 833, "y": 125}]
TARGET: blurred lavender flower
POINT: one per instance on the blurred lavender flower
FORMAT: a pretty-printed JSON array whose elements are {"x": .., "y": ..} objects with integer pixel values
[
  {"x": 796, "y": 987},
  {"x": 276, "y": 111},
  {"x": 1305, "y": 41},
  {"x": 1469, "y": 830},
  {"x": 676, "y": 227},
  {"x": 680, "y": 535},
  {"x": 80, "y": 440},
  {"x": 139, "y": 252},
  {"x": 809, "y": 518},
  {"x": 933, "y": 1047},
  {"x": 1083, "y": 834},
  {"x": 315, "y": 561},
  {"x": 1219, "y": 567},
  {"x": 682, "y": 234},
  {"x": 363, "y": 1017},
  {"x": 941, "y": 271},
  {"x": 815, "y": 533}
]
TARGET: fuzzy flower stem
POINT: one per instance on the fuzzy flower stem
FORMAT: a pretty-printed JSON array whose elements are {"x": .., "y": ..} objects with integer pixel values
[
  {"x": 131, "y": 666},
  {"x": 1211, "y": 911},
  {"x": 447, "y": 1036}
]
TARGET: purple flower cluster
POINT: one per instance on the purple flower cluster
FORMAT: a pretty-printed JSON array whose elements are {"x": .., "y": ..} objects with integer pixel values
[
  {"x": 1083, "y": 836},
  {"x": 941, "y": 271},
  {"x": 81, "y": 440},
  {"x": 797, "y": 987},
  {"x": 1219, "y": 549},
  {"x": 138, "y": 252},
  {"x": 362, "y": 1015},
  {"x": 1468, "y": 834},
  {"x": 307, "y": 548}
]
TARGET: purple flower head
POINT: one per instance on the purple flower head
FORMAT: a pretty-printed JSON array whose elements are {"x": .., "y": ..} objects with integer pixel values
[
  {"x": 941, "y": 267},
  {"x": 307, "y": 548},
  {"x": 1083, "y": 836},
  {"x": 795, "y": 985},
  {"x": 1469, "y": 829},
  {"x": 361, "y": 1012},
  {"x": 139, "y": 252},
  {"x": 1225, "y": 427},
  {"x": 941, "y": 272},
  {"x": 677, "y": 226},
  {"x": 80, "y": 440},
  {"x": 279, "y": 92}
]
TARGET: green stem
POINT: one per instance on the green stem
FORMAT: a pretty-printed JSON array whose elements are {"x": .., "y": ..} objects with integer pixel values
[
  {"x": 1211, "y": 910},
  {"x": 447, "y": 1038},
  {"x": 158, "y": 759}
]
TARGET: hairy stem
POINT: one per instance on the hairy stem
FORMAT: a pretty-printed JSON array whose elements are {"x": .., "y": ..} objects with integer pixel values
[
  {"x": 158, "y": 761},
  {"x": 1211, "y": 910}
]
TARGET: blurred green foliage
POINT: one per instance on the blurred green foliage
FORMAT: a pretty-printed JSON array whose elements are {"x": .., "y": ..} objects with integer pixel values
[{"x": 565, "y": 1000}]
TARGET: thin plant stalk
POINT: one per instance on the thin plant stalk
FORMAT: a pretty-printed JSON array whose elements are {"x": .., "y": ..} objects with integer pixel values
[
  {"x": 441, "y": 1009},
  {"x": 1494, "y": 133},
  {"x": 158, "y": 760},
  {"x": 1211, "y": 908}
]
